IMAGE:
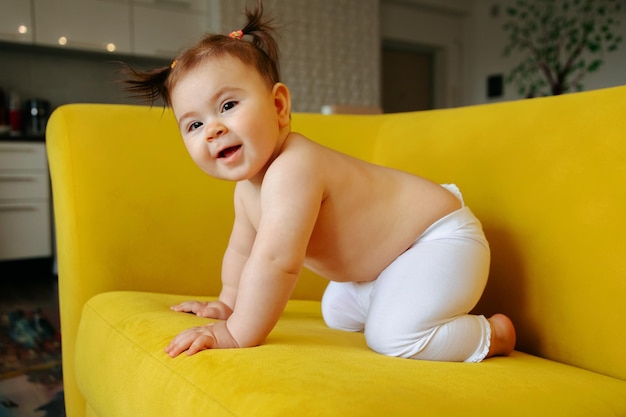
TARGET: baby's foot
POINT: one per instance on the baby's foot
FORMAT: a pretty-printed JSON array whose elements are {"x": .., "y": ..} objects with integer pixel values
[{"x": 502, "y": 336}]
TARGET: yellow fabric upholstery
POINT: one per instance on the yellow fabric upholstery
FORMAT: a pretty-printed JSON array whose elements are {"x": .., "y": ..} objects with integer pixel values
[{"x": 138, "y": 225}]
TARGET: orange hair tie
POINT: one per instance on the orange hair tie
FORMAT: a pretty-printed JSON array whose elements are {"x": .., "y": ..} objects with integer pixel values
[{"x": 238, "y": 34}]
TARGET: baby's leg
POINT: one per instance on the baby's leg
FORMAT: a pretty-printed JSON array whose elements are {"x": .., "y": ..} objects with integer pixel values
[
  {"x": 344, "y": 305},
  {"x": 420, "y": 302}
]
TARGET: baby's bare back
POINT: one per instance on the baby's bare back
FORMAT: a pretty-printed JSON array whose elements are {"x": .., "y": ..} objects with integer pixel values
[{"x": 369, "y": 215}]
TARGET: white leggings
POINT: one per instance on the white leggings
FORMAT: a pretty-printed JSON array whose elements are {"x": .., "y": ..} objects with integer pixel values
[{"x": 418, "y": 306}]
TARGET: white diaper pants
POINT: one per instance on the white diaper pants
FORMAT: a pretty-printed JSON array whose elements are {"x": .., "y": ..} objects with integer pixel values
[{"x": 418, "y": 306}]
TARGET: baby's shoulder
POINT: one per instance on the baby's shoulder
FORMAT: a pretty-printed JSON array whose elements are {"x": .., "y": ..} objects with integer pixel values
[
  {"x": 298, "y": 155},
  {"x": 297, "y": 143},
  {"x": 300, "y": 163}
]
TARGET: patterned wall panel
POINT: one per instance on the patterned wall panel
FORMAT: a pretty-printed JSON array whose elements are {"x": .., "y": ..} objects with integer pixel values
[{"x": 330, "y": 49}]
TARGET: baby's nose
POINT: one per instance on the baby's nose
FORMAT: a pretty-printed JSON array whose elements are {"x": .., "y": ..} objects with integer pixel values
[{"x": 215, "y": 131}]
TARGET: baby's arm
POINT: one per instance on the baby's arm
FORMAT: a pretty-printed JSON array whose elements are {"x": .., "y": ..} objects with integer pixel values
[{"x": 290, "y": 202}]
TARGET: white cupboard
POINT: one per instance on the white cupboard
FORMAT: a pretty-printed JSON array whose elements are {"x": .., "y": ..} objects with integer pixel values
[
  {"x": 161, "y": 28},
  {"x": 153, "y": 28},
  {"x": 97, "y": 25},
  {"x": 16, "y": 21}
]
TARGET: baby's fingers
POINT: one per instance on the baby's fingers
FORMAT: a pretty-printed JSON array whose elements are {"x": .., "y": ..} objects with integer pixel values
[
  {"x": 176, "y": 347},
  {"x": 211, "y": 310},
  {"x": 193, "y": 341},
  {"x": 201, "y": 343},
  {"x": 189, "y": 307}
]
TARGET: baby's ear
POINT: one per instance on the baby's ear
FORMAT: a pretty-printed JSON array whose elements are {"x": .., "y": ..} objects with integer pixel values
[{"x": 282, "y": 102}]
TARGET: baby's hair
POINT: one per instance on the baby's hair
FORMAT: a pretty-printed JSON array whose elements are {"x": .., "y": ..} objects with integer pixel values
[{"x": 261, "y": 53}]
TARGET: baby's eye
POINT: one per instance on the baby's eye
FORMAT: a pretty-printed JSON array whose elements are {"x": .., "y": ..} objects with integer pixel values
[
  {"x": 193, "y": 126},
  {"x": 229, "y": 105}
]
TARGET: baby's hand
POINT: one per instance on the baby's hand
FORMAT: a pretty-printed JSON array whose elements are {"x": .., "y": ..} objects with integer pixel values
[
  {"x": 211, "y": 309},
  {"x": 211, "y": 336}
]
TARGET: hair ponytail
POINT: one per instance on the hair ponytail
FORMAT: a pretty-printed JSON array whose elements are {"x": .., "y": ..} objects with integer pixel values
[
  {"x": 263, "y": 32},
  {"x": 148, "y": 85}
]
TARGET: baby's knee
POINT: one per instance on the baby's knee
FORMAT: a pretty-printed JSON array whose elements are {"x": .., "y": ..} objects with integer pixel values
[
  {"x": 340, "y": 311},
  {"x": 332, "y": 314}
]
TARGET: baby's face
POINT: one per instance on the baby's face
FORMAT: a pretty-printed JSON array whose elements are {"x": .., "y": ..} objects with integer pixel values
[{"x": 228, "y": 118}]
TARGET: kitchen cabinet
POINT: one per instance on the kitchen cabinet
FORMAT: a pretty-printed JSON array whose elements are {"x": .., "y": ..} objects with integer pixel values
[
  {"x": 154, "y": 28},
  {"x": 97, "y": 25},
  {"x": 161, "y": 28},
  {"x": 15, "y": 21},
  {"x": 25, "y": 214}
]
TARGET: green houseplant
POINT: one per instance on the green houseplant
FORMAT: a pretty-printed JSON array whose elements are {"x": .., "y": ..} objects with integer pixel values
[{"x": 560, "y": 41}]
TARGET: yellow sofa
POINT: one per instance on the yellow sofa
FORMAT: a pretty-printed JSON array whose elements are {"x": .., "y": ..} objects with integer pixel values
[{"x": 140, "y": 228}]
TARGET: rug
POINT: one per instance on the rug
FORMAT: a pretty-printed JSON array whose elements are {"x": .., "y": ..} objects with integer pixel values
[{"x": 31, "y": 379}]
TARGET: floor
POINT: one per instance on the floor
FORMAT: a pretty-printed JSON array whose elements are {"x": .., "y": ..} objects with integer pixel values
[{"x": 31, "y": 381}]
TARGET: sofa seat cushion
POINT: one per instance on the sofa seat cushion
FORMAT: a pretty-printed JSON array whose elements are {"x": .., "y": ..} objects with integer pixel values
[{"x": 306, "y": 369}]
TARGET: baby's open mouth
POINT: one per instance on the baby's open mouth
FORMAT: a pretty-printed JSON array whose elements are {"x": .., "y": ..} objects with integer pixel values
[{"x": 225, "y": 153}]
